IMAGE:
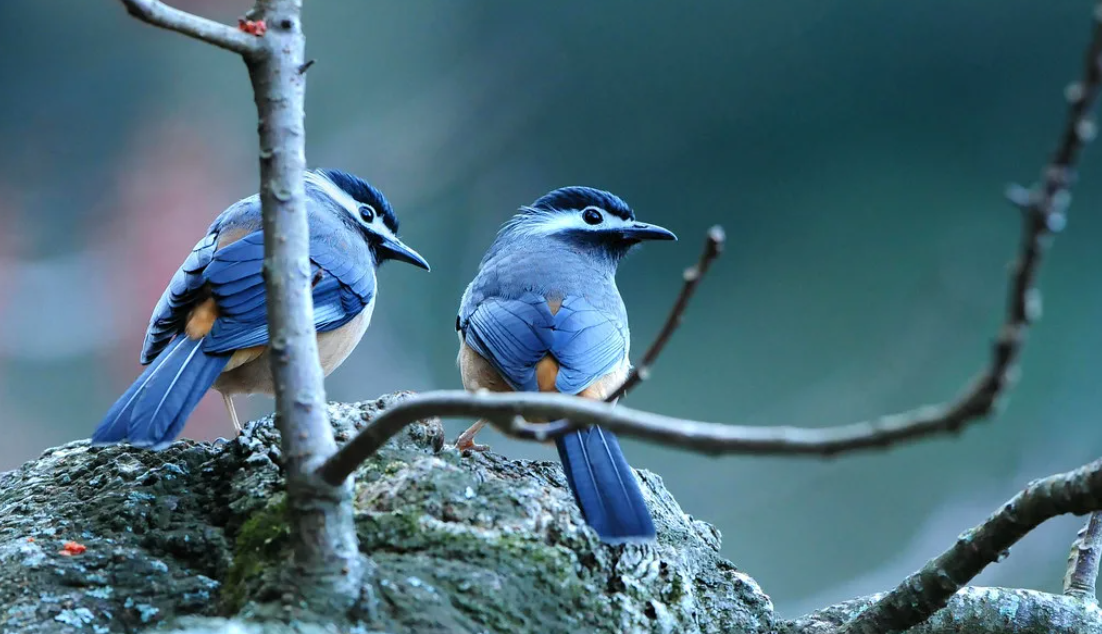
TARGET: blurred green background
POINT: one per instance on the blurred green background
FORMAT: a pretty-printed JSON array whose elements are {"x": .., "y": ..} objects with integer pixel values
[{"x": 855, "y": 152}]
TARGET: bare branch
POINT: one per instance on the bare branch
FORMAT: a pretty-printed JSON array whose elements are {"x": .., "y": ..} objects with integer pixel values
[
  {"x": 1043, "y": 214},
  {"x": 327, "y": 562},
  {"x": 713, "y": 246},
  {"x": 930, "y": 589},
  {"x": 325, "y": 546},
  {"x": 926, "y": 591},
  {"x": 1082, "y": 575},
  {"x": 160, "y": 14},
  {"x": 507, "y": 411}
]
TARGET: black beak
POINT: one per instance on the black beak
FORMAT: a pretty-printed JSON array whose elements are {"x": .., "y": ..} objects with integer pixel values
[
  {"x": 395, "y": 249},
  {"x": 642, "y": 231}
]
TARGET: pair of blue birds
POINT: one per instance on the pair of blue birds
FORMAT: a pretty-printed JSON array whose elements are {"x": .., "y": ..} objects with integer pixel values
[{"x": 542, "y": 314}]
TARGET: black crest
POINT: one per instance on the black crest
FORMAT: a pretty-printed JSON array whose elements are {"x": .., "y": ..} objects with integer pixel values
[
  {"x": 577, "y": 198},
  {"x": 363, "y": 192}
]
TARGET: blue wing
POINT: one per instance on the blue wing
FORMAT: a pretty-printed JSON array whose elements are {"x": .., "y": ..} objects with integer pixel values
[
  {"x": 235, "y": 274},
  {"x": 155, "y": 408},
  {"x": 343, "y": 286},
  {"x": 514, "y": 334},
  {"x": 185, "y": 287},
  {"x": 589, "y": 343}
]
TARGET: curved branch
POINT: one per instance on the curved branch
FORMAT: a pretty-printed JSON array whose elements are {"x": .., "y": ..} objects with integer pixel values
[
  {"x": 160, "y": 14},
  {"x": 1043, "y": 214},
  {"x": 926, "y": 591},
  {"x": 507, "y": 411}
]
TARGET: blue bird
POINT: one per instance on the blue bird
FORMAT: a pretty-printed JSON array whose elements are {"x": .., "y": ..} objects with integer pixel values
[
  {"x": 544, "y": 314},
  {"x": 210, "y": 327}
]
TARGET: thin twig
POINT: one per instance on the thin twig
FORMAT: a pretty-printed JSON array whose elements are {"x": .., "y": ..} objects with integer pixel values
[
  {"x": 306, "y": 66},
  {"x": 1043, "y": 214},
  {"x": 929, "y": 589},
  {"x": 713, "y": 246},
  {"x": 1082, "y": 576},
  {"x": 161, "y": 15}
]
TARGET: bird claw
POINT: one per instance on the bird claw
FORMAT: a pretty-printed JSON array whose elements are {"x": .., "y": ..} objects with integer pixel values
[{"x": 468, "y": 444}]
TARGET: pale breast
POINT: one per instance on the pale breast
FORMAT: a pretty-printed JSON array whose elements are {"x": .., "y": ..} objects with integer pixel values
[
  {"x": 249, "y": 371},
  {"x": 335, "y": 346}
]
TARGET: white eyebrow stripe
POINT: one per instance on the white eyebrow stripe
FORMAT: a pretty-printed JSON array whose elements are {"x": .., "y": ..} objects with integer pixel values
[
  {"x": 533, "y": 223},
  {"x": 379, "y": 227},
  {"x": 348, "y": 203}
]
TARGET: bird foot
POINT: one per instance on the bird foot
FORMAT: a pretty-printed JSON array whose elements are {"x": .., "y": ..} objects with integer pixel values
[{"x": 467, "y": 443}]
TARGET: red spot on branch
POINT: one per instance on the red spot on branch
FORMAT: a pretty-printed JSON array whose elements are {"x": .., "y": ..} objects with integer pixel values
[
  {"x": 72, "y": 548},
  {"x": 252, "y": 27}
]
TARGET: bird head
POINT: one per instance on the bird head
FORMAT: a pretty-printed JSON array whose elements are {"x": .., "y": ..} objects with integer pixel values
[
  {"x": 368, "y": 211},
  {"x": 588, "y": 219}
]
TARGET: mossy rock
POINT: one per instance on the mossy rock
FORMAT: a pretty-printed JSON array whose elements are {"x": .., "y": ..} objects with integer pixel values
[{"x": 193, "y": 537}]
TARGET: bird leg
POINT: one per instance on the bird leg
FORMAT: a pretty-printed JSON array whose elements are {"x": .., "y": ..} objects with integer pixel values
[
  {"x": 465, "y": 441},
  {"x": 228, "y": 400}
]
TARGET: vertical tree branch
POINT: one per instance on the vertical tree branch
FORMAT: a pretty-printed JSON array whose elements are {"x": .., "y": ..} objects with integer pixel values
[
  {"x": 326, "y": 552},
  {"x": 327, "y": 571},
  {"x": 1082, "y": 576}
]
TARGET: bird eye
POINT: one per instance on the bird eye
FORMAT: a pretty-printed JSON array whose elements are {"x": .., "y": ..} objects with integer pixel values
[
  {"x": 367, "y": 212},
  {"x": 592, "y": 217}
]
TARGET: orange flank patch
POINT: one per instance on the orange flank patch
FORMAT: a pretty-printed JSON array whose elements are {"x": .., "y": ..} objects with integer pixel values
[
  {"x": 554, "y": 305},
  {"x": 547, "y": 370},
  {"x": 477, "y": 373},
  {"x": 201, "y": 319}
]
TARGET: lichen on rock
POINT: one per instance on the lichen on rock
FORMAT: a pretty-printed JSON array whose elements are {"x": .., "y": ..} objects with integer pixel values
[{"x": 456, "y": 543}]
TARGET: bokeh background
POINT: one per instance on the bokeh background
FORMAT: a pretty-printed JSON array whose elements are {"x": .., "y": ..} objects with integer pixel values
[{"x": 855, "y": 152}]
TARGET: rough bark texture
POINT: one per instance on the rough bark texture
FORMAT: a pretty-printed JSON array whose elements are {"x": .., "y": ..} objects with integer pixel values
[
  {"x": 326, "y": 561},
  {"x": 1082, "y": 575},
  {"x": 195, "y": 537},
  {"x": 974, "y": 610}
]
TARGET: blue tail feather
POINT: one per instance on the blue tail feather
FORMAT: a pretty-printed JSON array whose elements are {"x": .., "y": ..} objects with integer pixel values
[
  {"x": 152, "y": 412},
  {"x": 604, "y": 486},
  {"x": 115, "y": 426}
]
